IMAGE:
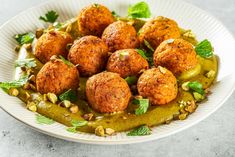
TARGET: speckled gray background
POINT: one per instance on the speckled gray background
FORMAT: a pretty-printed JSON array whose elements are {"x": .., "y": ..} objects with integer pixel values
[{"x": 214, "y": 136}]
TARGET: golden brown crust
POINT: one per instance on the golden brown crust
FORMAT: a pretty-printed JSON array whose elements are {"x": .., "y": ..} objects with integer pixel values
[
  {"x": 91, "y": 53},
  {"x": 159, "y": 85},
  {"x": 120, "y": 35},
  {"x": 107, "y": 92},
  {"x": 157, "y": 30},
  {"x": 57, "y": 77},
  {"x": 177, "y": 56},
  {"x": 129, "y": 65},
  {"x": 93, "y": 19},
  {"x": 52, "y": 43}
]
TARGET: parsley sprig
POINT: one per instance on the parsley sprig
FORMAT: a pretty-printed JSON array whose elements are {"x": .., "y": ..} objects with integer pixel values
[
  {"x": 76, "y": 124},
  {"x": 25, "y": 38},
  {"x": 50, "y": 16},
  {"x": 14, "y": 84},
  {"x": 27, "y": 63}
]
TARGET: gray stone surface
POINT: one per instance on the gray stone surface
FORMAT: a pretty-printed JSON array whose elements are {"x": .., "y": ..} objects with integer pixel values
[{"x": 214, "y": 136}]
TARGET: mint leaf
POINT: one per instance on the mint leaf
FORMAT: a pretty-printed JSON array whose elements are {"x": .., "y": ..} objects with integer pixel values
[
  {"x": 24, "y": 38},
  {"x": 143, "y": 106},
  {"x": 66, "y": 61},
  {"x": 68, "y": 95},
  {"x": 72, "y": 129},
  {"x": 141, "y": 131},
  {"x": 131, "y": 80},
  {"x": 75, "y": 125},
  {"x": 44, "y": 120},
  {"x": 197, "y": 87},
  {"x": 50, "y": 16},
  {"x": 139, "y": 10},
  {"x": 14, "y": 84},
  {"x": 28, "y": 63},
  {"x": 204, "y": 49}
]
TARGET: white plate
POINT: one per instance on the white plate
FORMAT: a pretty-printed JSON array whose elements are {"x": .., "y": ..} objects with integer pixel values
[{"x": 187, "y": 16}]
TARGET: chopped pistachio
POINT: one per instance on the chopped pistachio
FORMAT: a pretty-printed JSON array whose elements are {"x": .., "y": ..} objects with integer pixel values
[
  {"x": 66, "y": 103},
  {"x": 39, "y": 32},
  {"x": 73, "y": 109},
  {"x": 28, "y": 96},
  {"x": 68, "y": 46},
  {"x": 13, "y": 92},
  {"x": 32, "y": 106},
  {"x": 183, "y": 116},
  {"x": 88, "y": 116},
  {"x": 162, "y": 70},
  {"x": 198, "y": 97},
  {"x": 210, "y": 74},
  {"x": 185, "y": 86},
  {"x": 182, "y": 110},
  {"x": 109, "y": 131},
  {"x": 99, "y": 131},
  {"x": 53, "y": 58},
  {"x": 52, "y": 97},
  {"x": 44, "y": 97},
  {"x": 189, "y": 34}
]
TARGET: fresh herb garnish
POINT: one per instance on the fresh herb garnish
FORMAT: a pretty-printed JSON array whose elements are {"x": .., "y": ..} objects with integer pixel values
[
  {"x": 28, "y": 63},
  {"x": 140, "y": 131},
  {"x": 142, "y": 53},
  {"x": 75, "y": 125},
  {"x": 25, "y": 38},
  {"x": 143, "y": 106},
  {"x": 58, "y": 25},
  {"x": 204, "y": 49},
  {"x": 197, "y": 87},
  {"x": 50, "y": 16},
  {"x": 96, "y": 5},
  {"x": 139, "y": 10},
  {"x": 14, "y": 84},
  {"x": 147, "y": 44},
  {"x": 68, "y": 95},
  {"x": 115, "y": 14},
  {"x": 131, "y": 80},
  {"x": 66, "y": 61},
  {"x": 44, "y": 120}
]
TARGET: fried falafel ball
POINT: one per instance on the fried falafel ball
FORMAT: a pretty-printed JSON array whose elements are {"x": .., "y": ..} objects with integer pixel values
[
  {"x": 52, "y": 43},
  {"x": 90, "y": 53},
  {"x": 120, "y": 35},
  {"x": 157, "y": 30},
  {"x": 107, "y": 92},
  {"x": 159, "y": 85},
  {"x": 57, "y": 77},
  {"x": 177, "y": 55},
  {"x": 93, "y": 19},
  {"x": 126, "y": 62}
]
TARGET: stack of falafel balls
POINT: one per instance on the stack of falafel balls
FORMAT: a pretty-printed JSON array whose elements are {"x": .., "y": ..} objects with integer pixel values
[{"x": 107, "y": 54}]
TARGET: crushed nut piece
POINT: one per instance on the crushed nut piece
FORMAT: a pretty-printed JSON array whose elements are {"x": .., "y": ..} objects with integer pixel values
[
  {"x": 183, "y": 116},
  {"x": 52, "y": 97},
  {"x": 184, "y": 86},
  {"x": 39, "y": 32},
  {"x": 210, "y": 74},
  {"x": 32, "y": 106},
  {"x": 162, "y": 70},
  {"x": 88, "y": 116},
  {"x": 73, "y": 109},
  {"x": 13, "y": 92},
  {"x": 99, "y": 131},
  {"x": 109, "y": 131}
]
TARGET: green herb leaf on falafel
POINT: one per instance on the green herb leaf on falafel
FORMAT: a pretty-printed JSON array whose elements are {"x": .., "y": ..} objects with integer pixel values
[{"x": 143, "y": 106}]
